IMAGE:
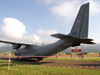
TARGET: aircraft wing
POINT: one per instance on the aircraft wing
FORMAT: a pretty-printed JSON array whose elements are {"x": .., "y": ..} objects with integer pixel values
[{"x": 14, "y": 43}]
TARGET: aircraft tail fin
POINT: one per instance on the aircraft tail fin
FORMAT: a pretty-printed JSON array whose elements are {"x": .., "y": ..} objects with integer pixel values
[
  {"x": 80, "y": 27},
  {"x": 79, "y": 31}
]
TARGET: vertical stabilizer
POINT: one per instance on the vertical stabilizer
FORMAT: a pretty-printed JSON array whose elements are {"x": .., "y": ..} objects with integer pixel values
[{"x": 80, "y": 27}]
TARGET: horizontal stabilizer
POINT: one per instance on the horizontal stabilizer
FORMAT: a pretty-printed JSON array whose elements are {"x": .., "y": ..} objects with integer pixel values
[
  {"x": 61, "y": 36},
  {"x": 73, "y": 39},
  {"x": 89, "y": 43}
]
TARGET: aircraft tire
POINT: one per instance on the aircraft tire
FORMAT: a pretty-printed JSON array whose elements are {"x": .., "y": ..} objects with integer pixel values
[
  {"x": 17, "y": 57},
  {"x": 39, "y": 59},
  {"x": 25, "y": 59}
]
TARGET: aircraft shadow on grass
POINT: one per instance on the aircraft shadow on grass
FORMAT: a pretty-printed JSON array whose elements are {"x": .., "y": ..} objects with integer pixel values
[{"x": 31, "y": 61}]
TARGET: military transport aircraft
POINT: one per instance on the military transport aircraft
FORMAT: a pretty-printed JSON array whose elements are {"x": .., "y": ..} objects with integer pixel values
[{"x": 78, "y": 35}]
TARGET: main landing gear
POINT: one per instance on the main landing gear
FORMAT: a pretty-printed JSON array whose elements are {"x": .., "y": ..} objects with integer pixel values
[
  {"x": 39, "y": 59},
  {"x": 25, "y": 59}
]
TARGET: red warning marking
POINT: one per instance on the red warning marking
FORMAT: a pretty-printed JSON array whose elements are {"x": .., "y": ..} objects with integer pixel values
[
  {"x": 76, "y": 49},
  {"x": 78, "y": 21}
]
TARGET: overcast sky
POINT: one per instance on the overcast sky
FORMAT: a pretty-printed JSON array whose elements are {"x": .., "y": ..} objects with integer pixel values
[{"x": 33, "y": 21}]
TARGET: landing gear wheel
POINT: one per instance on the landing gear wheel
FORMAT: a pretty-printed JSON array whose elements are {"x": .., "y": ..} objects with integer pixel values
[
  {"x": 17, "y": 57},
  {"x": 25, "y": 59},
  {"x": 39, "y": 59}
]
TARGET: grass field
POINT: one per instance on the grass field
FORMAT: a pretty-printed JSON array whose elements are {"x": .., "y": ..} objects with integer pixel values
[
  {"x": 85, "y": 59},
  {"x": 24, "y": 70}
]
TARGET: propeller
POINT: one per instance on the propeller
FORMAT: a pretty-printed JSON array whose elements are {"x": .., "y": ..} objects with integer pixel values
[
  {"x": 12, "y": 50},
  {"x": 15, "y": 46}
]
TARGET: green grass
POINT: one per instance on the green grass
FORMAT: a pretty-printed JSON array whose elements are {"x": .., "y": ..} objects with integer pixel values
[
  {"x": 85, "y": 59},
  {"x": 24, "y": 70}
]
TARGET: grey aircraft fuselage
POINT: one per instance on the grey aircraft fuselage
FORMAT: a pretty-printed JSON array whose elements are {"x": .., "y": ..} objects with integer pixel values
[{"x": 44, "y": 50}]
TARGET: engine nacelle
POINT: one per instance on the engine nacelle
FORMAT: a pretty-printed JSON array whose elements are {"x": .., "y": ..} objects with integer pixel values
[
  {"x": 17, "y": 53},
  {"x": 16, "y": 46}
]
